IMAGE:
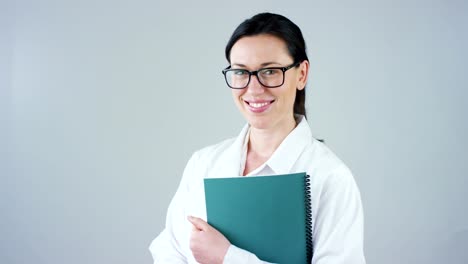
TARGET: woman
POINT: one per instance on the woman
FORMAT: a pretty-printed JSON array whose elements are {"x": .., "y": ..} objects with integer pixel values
[{"x": 267, "y": 75}]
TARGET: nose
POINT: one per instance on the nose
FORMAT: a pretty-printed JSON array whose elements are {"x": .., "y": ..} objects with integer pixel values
[{"x": 255, "y": 86}]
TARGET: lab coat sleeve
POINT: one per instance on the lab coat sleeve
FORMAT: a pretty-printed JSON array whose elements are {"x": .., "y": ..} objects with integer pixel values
[
  {"x": 166, "y": 248},
  {"x": 237, "y": 255},
  {"x": 338, "y": 229}
]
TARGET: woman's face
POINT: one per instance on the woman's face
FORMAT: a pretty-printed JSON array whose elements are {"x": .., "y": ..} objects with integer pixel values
[{"x": 266, "y": 108}]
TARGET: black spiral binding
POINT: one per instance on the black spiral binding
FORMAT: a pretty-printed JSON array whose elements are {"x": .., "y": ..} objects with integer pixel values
[{"x": 309, "y": 244}]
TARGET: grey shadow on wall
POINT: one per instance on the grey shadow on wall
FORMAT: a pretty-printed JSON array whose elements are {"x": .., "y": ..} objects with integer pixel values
[{"x": 453, "y": 249}]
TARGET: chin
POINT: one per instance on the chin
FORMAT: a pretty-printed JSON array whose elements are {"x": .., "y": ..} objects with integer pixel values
[{"x": 259, "y": 122}]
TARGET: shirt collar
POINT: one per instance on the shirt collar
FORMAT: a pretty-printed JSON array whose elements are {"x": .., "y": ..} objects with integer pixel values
[
  {"x": 287, "y": 152},
  {"x": 232, "y": 157}
]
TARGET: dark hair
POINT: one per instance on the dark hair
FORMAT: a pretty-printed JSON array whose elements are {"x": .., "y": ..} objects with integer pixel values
[{"x": 283, "y": 28}]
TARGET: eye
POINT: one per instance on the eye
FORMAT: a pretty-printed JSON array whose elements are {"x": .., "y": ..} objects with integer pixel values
[
  {"x": 239, "y": 72},
  {"x": 269, "y": 72}
]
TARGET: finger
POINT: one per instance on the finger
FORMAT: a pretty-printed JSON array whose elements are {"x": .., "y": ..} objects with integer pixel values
[
  {"x": 198, "y": 223},
  {"x": 195, "y": 229}
]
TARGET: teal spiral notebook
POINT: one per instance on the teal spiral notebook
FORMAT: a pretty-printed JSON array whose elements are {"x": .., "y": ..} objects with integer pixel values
[{"x": 269, "y": 216}]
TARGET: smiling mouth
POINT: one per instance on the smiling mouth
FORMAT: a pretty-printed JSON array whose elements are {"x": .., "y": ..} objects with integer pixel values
[{"x": 259, "y": 105}]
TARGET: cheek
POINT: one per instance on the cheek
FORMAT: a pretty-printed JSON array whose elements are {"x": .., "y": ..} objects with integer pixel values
[
  {"x": 287, "y": 95},
  {"x": 236, "y": 94},
  {"x": 290, "y": 85}
]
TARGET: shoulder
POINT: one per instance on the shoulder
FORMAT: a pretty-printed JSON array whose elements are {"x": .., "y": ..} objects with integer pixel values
[
  {"x": 213, "y": 156},
  {"x": 212, "y": 151},
  {"x": 324, "y": 164},
  {"x": 323, "y": 154},
  {"x": 203, "y": 160},
  {"x": 316, "y": 157},
  {"x": 221, "y": 159}
]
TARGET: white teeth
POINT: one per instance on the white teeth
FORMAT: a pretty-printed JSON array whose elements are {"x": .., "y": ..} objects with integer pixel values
[{"x": 258, "y": 105}]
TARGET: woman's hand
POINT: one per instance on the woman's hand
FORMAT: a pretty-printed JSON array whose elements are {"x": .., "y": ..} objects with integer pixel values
[{"x": 208, "y": 245}]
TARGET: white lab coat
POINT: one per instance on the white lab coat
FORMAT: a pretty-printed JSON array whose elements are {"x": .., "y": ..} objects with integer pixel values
[{"x": 337, "y": 214}]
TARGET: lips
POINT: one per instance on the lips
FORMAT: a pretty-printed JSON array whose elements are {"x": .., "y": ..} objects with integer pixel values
[{"x": 258, "y": 106}]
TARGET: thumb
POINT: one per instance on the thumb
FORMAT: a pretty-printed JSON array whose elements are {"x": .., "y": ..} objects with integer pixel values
[{"x": 198, "y": 223}]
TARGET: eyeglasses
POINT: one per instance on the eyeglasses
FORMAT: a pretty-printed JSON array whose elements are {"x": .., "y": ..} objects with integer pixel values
[{"x": 270, "y": 77}]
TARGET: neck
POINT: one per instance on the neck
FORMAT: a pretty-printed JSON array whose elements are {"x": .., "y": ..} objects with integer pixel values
[{"x": 263, "y": 142}]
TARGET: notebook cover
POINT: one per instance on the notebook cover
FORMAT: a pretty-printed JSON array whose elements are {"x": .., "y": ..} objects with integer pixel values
[{"x": 266, "y": 215}]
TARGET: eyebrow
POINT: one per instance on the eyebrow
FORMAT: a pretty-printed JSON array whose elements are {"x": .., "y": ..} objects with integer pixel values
[{"x": 261, "y": 65}]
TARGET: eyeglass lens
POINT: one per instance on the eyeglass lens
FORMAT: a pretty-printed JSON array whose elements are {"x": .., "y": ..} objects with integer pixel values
[{"x": 239, "y": 78}]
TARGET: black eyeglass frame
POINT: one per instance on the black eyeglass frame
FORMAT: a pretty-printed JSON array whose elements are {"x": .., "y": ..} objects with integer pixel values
[{"x": 255, "y": 73}]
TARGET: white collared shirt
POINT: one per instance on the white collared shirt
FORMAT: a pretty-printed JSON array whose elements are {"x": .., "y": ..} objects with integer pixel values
[{"x": 337, "y": 215}]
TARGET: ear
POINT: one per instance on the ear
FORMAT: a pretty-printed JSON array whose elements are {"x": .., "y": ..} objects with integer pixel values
[{"x": 303, "y": 75}]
